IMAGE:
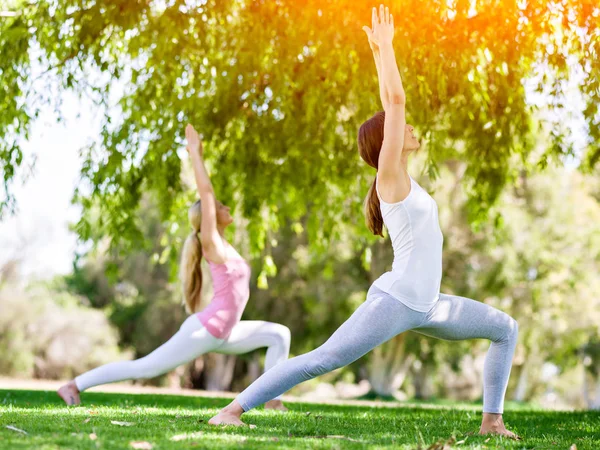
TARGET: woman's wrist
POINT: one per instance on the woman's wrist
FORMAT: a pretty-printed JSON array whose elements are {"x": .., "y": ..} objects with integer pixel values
[
  {"x": 195, "y": 154},
  {"x": 386, "y": 45}
]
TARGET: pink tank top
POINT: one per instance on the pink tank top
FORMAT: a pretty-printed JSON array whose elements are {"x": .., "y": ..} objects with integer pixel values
[{"x": 231, "y": 284}]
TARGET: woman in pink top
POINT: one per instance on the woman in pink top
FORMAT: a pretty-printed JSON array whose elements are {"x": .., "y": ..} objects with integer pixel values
[{"x": 217, "y": 328}]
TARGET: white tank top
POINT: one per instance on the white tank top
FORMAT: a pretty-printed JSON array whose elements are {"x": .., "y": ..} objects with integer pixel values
[{"x": 417, "y": 240}]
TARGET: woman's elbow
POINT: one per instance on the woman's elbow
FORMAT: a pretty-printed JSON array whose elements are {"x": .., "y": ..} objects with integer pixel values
[
  {"x": 397, "y": 98},
  {"x": 205, "y": 189}
]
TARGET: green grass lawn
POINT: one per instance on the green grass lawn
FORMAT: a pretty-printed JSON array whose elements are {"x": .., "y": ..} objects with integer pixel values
[{"x": 174, "y": 422}]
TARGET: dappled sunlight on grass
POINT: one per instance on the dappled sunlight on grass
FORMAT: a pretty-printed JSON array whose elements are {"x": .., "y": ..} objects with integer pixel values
[{"x": 169, "y": 422}]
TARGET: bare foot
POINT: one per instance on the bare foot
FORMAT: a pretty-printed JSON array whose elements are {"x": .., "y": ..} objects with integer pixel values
[
  {"x": 69, "y": 393},
  {"x": 226, "y": 419},
  {"x": 230, "y": 415},
  {"x": 493, "y": 424},
  {"x": 275, "y": 404}
]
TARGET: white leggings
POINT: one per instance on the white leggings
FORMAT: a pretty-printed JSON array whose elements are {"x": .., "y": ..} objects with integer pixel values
[
  {"x": 191, "y": 341},
  {"x": 381, "y": 318}
]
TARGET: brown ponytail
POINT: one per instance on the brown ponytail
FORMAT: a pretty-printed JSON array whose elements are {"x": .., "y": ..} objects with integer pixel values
[
  {"x": 370, "y": 139},
  {"x": 190, "y": 270},
  {"x": 373, "y": 216}
]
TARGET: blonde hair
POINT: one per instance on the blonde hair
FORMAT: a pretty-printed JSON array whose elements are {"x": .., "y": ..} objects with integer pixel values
[{"x": 190, "y": 270}]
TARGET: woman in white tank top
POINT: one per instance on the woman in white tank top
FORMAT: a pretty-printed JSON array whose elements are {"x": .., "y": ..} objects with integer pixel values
[
  {"x": 407, "y": 297},
  {"x": 410, "y": 215}
]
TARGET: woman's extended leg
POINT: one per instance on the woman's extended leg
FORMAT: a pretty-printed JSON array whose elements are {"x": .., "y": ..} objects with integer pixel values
[
  {"x": 377, "y": 320},
  {"x": 458, "y": 318},
  {"x": 191, "y": 341}
]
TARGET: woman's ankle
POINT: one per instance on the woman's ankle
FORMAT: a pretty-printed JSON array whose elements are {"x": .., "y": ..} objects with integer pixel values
[
  {"x": 492, "y": 420},
  {"x": 234, "y": 408}
]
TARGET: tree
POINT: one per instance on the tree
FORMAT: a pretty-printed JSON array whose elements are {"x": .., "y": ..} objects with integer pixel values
[
  {"x": 45, "y": 332},
  {"x": 278, "y": 89}
]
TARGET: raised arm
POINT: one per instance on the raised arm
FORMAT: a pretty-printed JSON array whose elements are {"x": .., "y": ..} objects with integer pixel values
[
  {"x": 377, "y": 57},
  {"x": 211, "y": 240},
  {"x": 393, "y": 180}
]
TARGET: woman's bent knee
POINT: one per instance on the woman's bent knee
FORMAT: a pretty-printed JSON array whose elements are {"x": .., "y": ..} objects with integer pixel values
[
  {"x": 279, "y": 336},
  {"x": 285, "y": 335},
  {"x": 510, "y": 329},
  {"x": 513, "y": 328}
]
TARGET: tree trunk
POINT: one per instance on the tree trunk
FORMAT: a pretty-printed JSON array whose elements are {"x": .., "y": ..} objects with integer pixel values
[
  {"x": 421, "y": 379},
  {"x": 585, "y": 389},
  {"x": 522, "y": 385},
  {"x": 218, "y": 371},
  {"x": 254, "y": 368},
  {"x": 595, "y": 403},
  {"x": 388, "y": 366}
]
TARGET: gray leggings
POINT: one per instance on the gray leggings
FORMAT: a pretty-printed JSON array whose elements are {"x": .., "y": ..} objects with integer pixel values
[{"x": 380, "y": 318}]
